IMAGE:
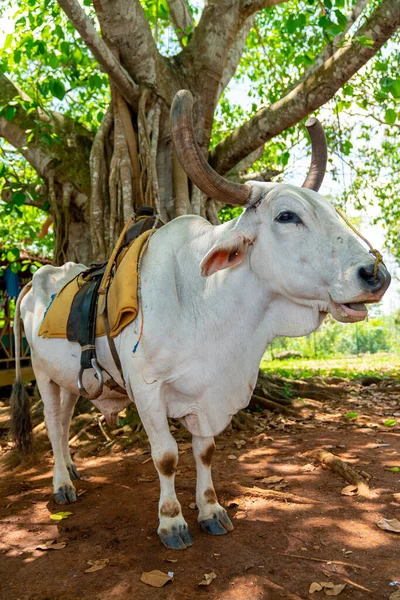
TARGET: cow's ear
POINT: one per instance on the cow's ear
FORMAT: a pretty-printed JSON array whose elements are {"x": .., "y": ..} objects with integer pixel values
[{"x": 229, "y": 251}]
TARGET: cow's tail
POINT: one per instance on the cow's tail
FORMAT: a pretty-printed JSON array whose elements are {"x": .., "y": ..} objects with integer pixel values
[{"x": 21, "y": 424}]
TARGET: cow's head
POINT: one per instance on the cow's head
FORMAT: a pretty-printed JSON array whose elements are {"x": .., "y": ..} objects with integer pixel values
[{"x": 292, "y": 238}]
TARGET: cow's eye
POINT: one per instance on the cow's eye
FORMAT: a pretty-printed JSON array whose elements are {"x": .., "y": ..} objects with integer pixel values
[{"x": 288, "y": 217}]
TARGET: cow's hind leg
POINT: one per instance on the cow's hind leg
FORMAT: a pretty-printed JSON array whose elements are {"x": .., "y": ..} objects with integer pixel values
[
  {"x": 68, "y": 401},
  {"x": 173, "y": 529},
  {"x": 212, "y": 518},
  {"x": 64, "y": 491}
]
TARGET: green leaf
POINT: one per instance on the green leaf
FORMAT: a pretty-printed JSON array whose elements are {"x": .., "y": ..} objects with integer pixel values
[
  {"x": 12, "y": 255},
  {"x": 17, "y": 56},
  {"x": 341, "y": 19},
  {"x": 64, "y": 47},
  {"x": 54, "y": 63},
  {"x": 15, "y": 267},
  {"x": 95, "y": 81},
  {"x": 291, "y": 24},
  {"x": 390, "y": 116},
  {"x": 363, "y": 40},
  {"x": 46, "y": 138},
  {"x": 386, "y": 82},
  {"x": 18, "y": 198},
  {"x": 351, "y": 415},
  {"x": 57, "y": 88},
  {"x": 33, "y": 269},
  {"x": 395, "y": 88},
  {"x": 334, "y": 29},
  {"x": 2, "y": 169},
  {"x": 59, "y": 32},
  {"x": 393, "y": 469},
  {"x": 9, "y": 113},
  {"x": 390, "y": 423},
  {"x": 8, "y": 41}
]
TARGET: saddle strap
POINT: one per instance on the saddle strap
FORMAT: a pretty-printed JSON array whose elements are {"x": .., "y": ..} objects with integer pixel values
[
  {"x": 86, "y": 300},
  {"x": 113, "y": 349}
]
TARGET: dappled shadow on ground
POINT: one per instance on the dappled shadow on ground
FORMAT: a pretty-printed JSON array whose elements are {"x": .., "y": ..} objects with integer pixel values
[{"x": 116, "y": 517}]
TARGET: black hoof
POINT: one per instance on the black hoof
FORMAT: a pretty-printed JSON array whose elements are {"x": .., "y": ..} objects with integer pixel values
[
  {"x": 178, "y": 538},
  {"x": 65, "y": 494},
  {"x": 218, "y": 525},
  {"x": 73, "y": 472}
]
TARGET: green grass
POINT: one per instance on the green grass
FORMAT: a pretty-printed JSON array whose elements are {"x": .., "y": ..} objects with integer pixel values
[{"x": 350, "y": 367}]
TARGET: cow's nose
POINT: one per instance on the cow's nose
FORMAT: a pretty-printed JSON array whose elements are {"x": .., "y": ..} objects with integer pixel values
[{"x": 374, "y": 283}]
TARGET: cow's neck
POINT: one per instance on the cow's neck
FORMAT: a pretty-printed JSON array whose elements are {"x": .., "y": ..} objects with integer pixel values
[{"x": 239, "y": 300}]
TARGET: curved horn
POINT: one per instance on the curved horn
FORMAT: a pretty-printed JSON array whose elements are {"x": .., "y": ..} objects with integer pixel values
[
  {"x": 319, "y": 156},
  {"x": 192, "y": 160}
]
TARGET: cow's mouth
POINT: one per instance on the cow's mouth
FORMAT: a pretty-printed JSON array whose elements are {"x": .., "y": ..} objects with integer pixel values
[{"x": 349, "y": 312}]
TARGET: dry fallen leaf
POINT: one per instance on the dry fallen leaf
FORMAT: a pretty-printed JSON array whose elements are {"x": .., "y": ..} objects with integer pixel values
[
  {"x": 81, "y": 492},
  {"x": 239, "y": 443},
  {"x": 314, "y": 587},
  {"x": 232, "y": 457},
  {"x": 349, "y": 490},
  {"x": 145, "y": 479},
  {"x": 173, "y": 560},
  {"x": 272, "y": 479},
  {"x": 59, "y": 516},
  {"x": 395, "y": 595},
  {"x": 326, "y": 584},
  {"x": 389, "y": 525},
  {"x": 308, "y": 468},
  {"x": 208, "y": 578},
  {"x": 280, "y": 486},
  {"x": 192, "y": 506},
  {"x": 97, "y": 565},
  {"x": 51, "y": 545},
  {"x": 335, "y": 590},
  {"x": 155, "y": 578}
]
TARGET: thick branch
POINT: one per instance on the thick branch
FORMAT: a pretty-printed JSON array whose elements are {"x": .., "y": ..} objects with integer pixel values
[
  {"x": 100, "y": 50},
  {"x": 124, "y": 24},
  {"x": 206, "y": 57},
  {"x": 235, "y": 54},
  {"x": 68, "y": 160},
  {"x": 250, "y": 7},
  {"x": 312, "y": 93},
  {"x": 181, "y": 18}
]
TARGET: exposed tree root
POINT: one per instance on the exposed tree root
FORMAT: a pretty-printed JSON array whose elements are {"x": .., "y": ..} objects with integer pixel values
[
  {"x": 280, "y": 394},
  {"x": 274, "y": 406},
  {"x": 344, "y": 470},
  {"x": 275, "y": 495}
]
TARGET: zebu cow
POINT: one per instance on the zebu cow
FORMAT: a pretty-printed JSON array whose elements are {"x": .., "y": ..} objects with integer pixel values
[{"x": 213, "y": 298}]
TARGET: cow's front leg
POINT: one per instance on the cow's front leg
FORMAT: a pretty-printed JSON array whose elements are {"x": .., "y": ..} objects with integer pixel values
[
  {"x": 212, "y": 518},
  {"x": 173, "y": 529}
]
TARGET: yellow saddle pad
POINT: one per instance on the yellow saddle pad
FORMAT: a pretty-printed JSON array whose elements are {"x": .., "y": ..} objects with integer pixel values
[{"x": 122, "y": 298}]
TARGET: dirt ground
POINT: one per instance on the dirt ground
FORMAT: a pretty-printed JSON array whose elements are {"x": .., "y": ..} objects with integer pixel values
[{"x": 288, "y": 533}]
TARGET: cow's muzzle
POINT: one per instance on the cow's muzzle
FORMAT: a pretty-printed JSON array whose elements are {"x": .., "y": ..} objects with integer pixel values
[{"x": 375, "y": 283}]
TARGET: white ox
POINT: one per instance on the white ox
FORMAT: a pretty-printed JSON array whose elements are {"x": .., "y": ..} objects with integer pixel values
[{"x": 213, "y": 298}]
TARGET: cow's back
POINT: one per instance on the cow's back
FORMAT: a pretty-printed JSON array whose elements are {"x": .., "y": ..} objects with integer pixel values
[{"x": 46, "y": 282}]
